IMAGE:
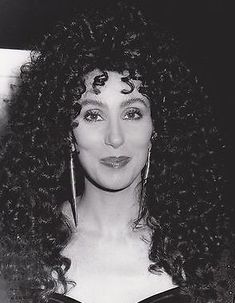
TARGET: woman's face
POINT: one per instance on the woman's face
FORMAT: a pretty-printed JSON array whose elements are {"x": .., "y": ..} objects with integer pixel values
[{"x": 113, "y": 136}]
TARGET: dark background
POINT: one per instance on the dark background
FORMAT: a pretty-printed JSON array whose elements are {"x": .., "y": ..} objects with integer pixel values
[{"x": 204, "y": 28}]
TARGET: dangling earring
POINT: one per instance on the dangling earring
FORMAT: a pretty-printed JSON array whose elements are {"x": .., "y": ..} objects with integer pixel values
[
  {"x": 142, "y": 209},
  {"x": 154, "y": 135},
  {"x": 147, "y": 166},
  {"x": 73, "y": 182}
]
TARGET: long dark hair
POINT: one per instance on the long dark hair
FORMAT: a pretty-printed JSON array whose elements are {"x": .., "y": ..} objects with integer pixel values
[{"x": 182, "y": 202}]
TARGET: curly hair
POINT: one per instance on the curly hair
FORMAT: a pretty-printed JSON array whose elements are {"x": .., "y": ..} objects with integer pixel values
[{"x": 183, "y": 199}]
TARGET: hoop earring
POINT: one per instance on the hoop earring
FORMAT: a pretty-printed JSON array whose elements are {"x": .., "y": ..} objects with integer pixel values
[
  {"x": 147, "y": 166},
  {"x": 73, "y": 201}
]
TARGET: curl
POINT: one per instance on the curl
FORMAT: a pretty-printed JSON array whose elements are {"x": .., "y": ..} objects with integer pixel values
[
  {"x": 183, "y": 204},
  {"x": 99, "y": 81},
  {"x": 127, "y": 80}
]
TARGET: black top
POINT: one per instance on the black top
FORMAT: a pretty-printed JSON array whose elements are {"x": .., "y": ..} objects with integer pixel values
[{"x": 169, "y": 296}]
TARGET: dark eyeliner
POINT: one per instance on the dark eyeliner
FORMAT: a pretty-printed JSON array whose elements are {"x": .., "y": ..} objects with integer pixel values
[
  {"x": 89, "y": 113},
  {"x": 134, "y": 111}
]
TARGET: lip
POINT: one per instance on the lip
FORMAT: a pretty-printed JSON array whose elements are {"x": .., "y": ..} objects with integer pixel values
[{"x": 115, "y": 162}]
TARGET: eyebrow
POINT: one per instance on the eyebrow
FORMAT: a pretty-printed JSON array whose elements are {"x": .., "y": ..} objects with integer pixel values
[{"x": 125, "y": 103}]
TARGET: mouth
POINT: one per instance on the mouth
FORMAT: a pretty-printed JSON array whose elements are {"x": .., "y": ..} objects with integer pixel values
[{"x": 115, "y": 162}]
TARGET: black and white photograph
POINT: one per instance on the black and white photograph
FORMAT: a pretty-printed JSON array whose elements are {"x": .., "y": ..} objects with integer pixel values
[{"x": 116, "y": 151}]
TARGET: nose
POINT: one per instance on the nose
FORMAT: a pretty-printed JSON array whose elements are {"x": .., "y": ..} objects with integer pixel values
[{"x": 114, "y": 134}]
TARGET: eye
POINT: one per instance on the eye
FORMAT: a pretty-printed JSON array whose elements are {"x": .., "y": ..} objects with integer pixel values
[
  {"x": 92, "y": 116},
  {"x": 133, "y": 114}
]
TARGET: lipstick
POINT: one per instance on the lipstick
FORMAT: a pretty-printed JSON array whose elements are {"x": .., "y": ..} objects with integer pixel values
[{"x": 115, "y": 162}]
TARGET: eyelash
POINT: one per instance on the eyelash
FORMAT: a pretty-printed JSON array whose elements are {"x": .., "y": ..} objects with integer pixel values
[
  {"x": 134, "y": 112},
  {"x": 96, "y": 115},
  {"x": 91, "y": 113}
]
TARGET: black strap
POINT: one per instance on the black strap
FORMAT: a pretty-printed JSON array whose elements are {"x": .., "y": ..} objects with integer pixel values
[{"x": 169, "y": 296}]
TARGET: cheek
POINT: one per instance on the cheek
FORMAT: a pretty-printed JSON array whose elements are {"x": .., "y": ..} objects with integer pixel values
[
  {"x": 86, "y": 138},
  {"x": 141, "y": 137},
  {"x": 87, "y": 145}
]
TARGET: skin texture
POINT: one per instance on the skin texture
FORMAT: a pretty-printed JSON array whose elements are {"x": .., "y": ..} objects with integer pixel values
[
  {"x": 113, "y": 133},
  {"x": 118, "y": 125}
]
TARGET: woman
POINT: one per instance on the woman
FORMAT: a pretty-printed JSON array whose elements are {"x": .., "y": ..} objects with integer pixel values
[{"x": 108, "y": 105}]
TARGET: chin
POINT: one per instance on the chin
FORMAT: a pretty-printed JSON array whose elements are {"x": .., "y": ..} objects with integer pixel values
[
  {"x": 115, "y": 184},
  {"x": 112, "y": 187}
]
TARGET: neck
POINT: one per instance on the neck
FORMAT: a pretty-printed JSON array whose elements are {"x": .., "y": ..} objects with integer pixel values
[{"x": 108, "y": 213}]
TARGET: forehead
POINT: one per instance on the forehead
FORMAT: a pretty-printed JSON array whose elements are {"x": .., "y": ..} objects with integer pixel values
[{"x": 113, "y": 86}]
